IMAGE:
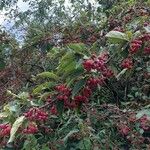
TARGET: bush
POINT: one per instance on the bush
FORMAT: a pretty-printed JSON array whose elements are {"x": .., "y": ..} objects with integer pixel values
[{"x": 94, "y": 96}]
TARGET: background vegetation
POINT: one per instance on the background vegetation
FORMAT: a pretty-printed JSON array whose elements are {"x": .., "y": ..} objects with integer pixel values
[{"x": 79, "y": 78}]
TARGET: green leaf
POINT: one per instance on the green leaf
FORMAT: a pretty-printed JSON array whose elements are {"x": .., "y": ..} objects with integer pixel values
[
  {"x": 44, "y": 147},
  {"x": 55, "y": 50},
  {"x": 78, "y": 86},
  {"x": 67, "y": 60},
  {"x": 3, "y": 115},
  {"x": 117, "y": 37},
  {"x": 68, "y": 56},
  {"x": 76, "y": 72},
  {"x": 73, "y": 75},
  {"x": 41, "y": 87},
  {"x": 23, "y": 95},
  {"x": 143, "y": 112},
  {"x": 78, "y": 48},
  {"x": 121, "y": 73},
  {"x": 30, "y": 143},
  {"x": 67, "y": 67},
  {"x": 85, "y": 144},
  {"x": 70, "y": 67},
  {"x": 49, "y": 75},
  {"x": 147, "y": 29},
  {"x": 15, "y": 128}
]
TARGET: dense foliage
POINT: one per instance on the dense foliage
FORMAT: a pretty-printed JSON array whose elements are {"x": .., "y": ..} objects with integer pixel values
[{"x": 80, "y": 80}]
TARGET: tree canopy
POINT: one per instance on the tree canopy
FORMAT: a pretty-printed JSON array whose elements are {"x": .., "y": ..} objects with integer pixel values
[{"x": 78, "y": 79}]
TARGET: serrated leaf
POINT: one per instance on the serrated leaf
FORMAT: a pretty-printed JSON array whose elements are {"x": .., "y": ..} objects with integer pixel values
[
  {"x": 78, "y": 86},
  {"x": 49, "y": 75},
  {"x": 117, "y": 37},
  {"x": 42, "y": 87},
  {"x": 65, "y": 62},
  {"x": 15, "y": 128},
  {"x": 67, "y": 67},
  {"x": 75, "y": 72},
  {"x": 78, "y": 48},
  {"x": 67, "y": 56}
]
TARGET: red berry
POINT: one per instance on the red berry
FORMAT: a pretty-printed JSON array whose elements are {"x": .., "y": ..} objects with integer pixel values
[
  {"x": 31, "y": 129},
  {"x": 145, "y": 122},
  {"x": 36, "y": 114},
  {"x": 92, "y": 82},
  {"x": 135, "y": 45},
  {"x": 86, "y": 92},
  {"x": 88, "y": 64},
  {"x": 108, "y": 73},
  {"x": 63, "y": 89},
  {"x": 5, "y": 130},
  {"x": 124, "y": 130},
  {"x": 53, "y": 110},
  {"x": 127, "y": 63},
  {"x": 147, "y": 50},
  {"x": 80, "y": 99}
]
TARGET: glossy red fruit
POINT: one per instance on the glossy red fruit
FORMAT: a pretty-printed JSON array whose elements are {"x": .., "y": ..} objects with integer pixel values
[
  {"x": 127, "y": 63},
  {"x": 31, "y": 129},
  {"x": 88, "y": 64}
]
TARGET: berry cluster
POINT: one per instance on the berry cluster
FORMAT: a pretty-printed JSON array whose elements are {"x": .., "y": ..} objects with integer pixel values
[
  {"x": 127, "y": 63},
  {"x": 93, "y": 82},
  {"x": 145, "y": 122},
  {"x": 107, "y": 72},
  {"x": 80, "y": 99},
  {"x": 63, "y": 93},
  {"x": 36, "y": 114},
  {"x": 5, "y": 129},
  {"x": 123, "y": 129},
  {"x": 86, "y": 92},
  {"x": 49, "y": 99},
  {"x": 53, "y": 110},
  {"x": 99, "y": 64},
  {"x": 145, "y": 37},
  {"x": 88, "y": 64},
  {"x": 135, "y": 46},
  {"x": 31, "y": 129},
  {"x": 63, "y": 89}
]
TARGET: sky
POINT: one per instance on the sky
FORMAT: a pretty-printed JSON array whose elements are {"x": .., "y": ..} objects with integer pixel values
[{"x": 23, "y": 6}]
